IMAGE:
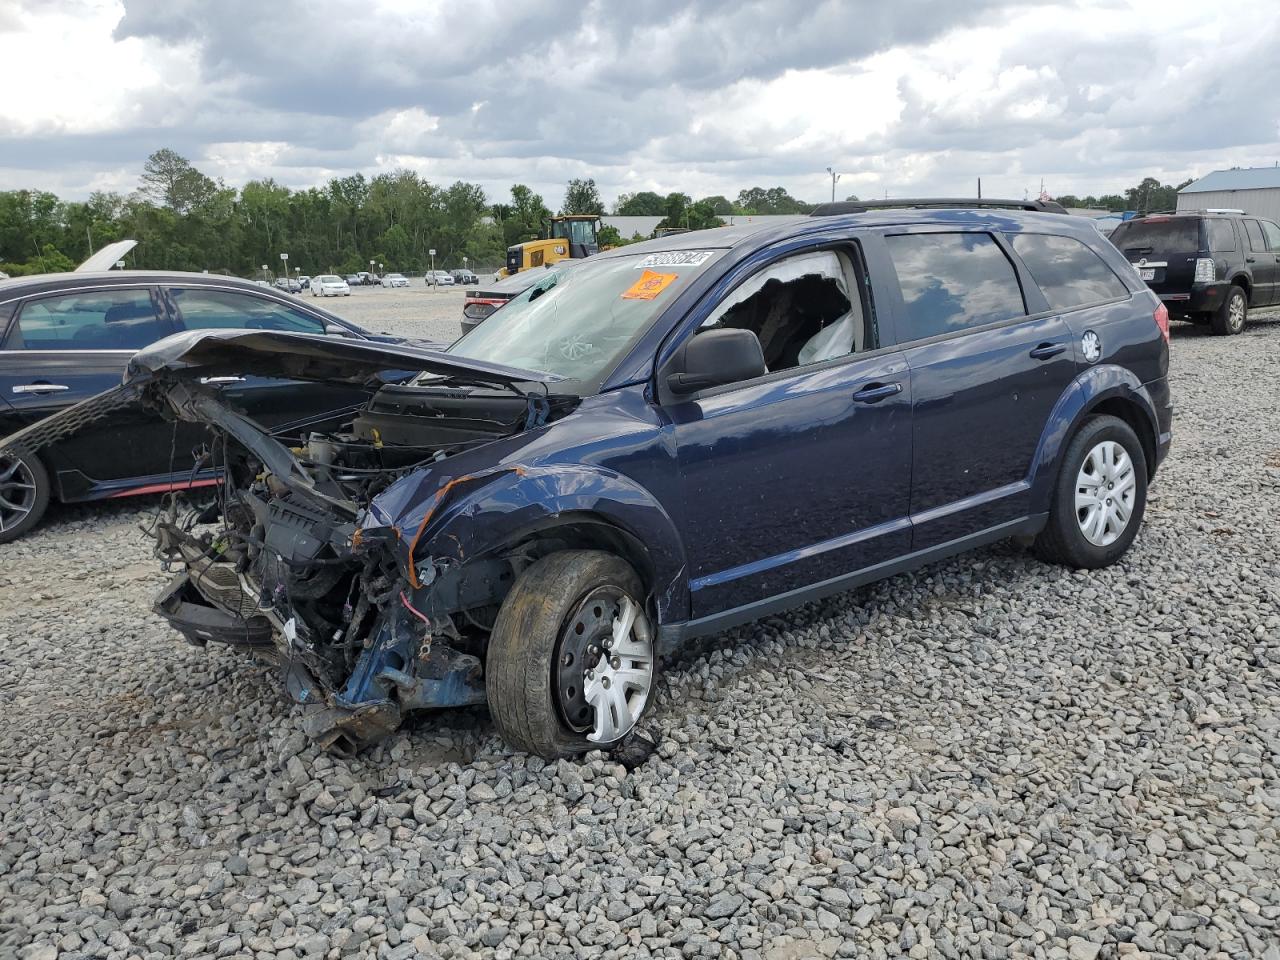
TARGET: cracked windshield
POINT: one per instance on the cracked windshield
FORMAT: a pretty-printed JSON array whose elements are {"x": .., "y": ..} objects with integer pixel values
[{"x": 578, "y": 320}]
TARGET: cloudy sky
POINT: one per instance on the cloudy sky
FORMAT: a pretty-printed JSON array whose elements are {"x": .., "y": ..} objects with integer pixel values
[{"x": 915, "y": 97}]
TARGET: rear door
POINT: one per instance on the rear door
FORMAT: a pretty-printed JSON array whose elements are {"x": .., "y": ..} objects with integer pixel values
[
  {"x": 987, "y": 367},
  {"x": 66, "y": 346},
  {"x": 1264, "y": 249},
  {"x": 270, "y": 401}
]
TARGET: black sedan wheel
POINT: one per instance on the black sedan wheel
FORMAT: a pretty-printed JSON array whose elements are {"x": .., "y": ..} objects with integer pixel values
[{"x": 24, "y": 495}]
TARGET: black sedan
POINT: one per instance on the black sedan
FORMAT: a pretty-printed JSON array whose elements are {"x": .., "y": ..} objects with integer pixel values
[{"x": 65, "y": 337}]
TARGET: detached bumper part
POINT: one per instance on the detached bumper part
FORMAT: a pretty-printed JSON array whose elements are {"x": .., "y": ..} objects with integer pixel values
[{"x": 199, "y": 622}]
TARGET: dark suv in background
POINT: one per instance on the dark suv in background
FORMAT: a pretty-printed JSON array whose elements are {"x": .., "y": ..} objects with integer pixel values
[{"x": 1206, "y": 266}]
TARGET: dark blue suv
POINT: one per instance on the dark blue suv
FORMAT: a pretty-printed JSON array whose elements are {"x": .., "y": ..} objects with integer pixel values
[{"x": 671, "y": 438}]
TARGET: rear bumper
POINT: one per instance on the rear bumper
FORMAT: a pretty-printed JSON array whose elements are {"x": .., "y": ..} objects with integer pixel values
[
  {"x": 1199, "y": 299},
  {"x": 1162, "y": 402}
]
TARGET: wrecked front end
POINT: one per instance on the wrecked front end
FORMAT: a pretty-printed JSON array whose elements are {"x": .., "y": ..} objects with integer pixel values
[{"x": 309, "y": 559}]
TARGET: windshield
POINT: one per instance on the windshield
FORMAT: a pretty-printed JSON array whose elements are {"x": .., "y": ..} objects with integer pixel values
[
  {"x": 328, "y": 278},
  {"x": 577, "y": 323}
]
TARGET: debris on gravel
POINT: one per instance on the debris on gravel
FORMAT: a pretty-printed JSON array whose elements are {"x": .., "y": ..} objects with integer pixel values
[{"x": 988, "y": 757}]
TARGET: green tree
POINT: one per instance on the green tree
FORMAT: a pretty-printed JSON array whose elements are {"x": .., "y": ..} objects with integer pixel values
[
  {"x": 171, "y": 180},
  {"x": 774, "y": 200},
  {"x": 527, "y": 214},
  {"x": 581, "y": 196},
  {"x": 646, "y": 203}
]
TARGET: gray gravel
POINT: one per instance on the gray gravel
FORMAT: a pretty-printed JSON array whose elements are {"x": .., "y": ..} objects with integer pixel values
[{"x": 988, "y": 758}]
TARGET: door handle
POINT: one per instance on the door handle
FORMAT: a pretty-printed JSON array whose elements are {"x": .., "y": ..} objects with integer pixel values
[
  {"x": 1047, "y": 350},
  {"x": 40, "y": 388},
  {"x": 1250, "y": 259},
  {"x": 875, "y": 392},
  {"x": 218, "y": 380}
]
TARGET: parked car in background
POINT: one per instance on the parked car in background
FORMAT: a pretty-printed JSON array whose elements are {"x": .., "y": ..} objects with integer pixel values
[
  {"x": 288, "y": 284},
  {"x": 395, "y": 280},
  {"x": 463, "y": 276},
  {"x": 3, "y": 275},
  {"x": 65, "y": 337},
  {"x": 664, "y": 441},
  {"x": 367, "y": 279},
  {"x": 329, "y": 285},
  {"x": 482, "y": 301},
  {"x": 438, "y": 278},
  {"x": 353, "y": 279},
  {"x": 305, "y": 282},
  {"x": 1208, "y": 267}
]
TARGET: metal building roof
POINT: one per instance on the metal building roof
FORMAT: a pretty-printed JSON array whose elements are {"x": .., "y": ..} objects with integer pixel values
[{"x": 1242, "y": 178}]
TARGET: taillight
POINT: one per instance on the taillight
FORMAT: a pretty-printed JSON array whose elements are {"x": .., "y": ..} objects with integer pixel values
[
  {"x": 1162, "y": 321},
  {"x": 1205, "y": 270}
]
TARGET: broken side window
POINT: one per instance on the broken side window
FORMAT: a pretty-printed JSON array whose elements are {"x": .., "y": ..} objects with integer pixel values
[{"x": 805, "y": 309}]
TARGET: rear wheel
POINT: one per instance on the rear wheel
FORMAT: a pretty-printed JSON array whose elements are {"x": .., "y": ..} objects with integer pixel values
[
  {"x": 571, "y": 664},
  {"x": 24, "y": 495},
  {"x": 1099, "y": 499},
  {"x": 1231, "y": 316}
]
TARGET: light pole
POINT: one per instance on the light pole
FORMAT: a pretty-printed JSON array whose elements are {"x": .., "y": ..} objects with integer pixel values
[
  {"x": 264, "y": 272},
  {"x": 371, "y": 263},
  {"x": 464, "y": 264},
  {"x": 284, "y": 265},
  {"x": 834, "y": 177},
  {"x": 432, "y": 254}
]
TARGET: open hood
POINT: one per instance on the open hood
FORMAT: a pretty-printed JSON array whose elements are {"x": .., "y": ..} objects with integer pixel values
[
  {"x": 305, "y": 356},
  {"x": 107, "y": 257}
]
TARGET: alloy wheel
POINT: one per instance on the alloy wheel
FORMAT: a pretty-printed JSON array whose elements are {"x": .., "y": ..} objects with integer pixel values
[
  {"x": 1235, "y": 312},
  {"x": 1105, "y": 490},
  {"x": 604, "y": 666},
  {"x": 17, "y": 492}
]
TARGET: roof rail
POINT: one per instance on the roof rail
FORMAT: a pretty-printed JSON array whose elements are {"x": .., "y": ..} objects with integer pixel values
[{"x": 928, "y": 203}]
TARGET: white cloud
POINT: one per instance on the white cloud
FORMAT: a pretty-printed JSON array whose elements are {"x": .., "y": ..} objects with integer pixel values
[{"x": 707, "y": 98}]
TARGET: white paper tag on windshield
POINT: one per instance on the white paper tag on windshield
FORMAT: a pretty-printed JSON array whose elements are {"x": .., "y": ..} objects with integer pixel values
[{"x": 675, "y": 258}]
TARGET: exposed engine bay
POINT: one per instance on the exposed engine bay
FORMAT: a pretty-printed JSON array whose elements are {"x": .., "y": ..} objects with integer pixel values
[{"x": 296, "y": 561}]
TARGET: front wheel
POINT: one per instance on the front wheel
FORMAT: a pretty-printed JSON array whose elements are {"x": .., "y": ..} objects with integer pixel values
[
  {"x": 1099, "y": 499},
  {"x": 1231, "y": 316},
  {"x": 24, "y": 495},
  {"x": 571, "y": 662}
]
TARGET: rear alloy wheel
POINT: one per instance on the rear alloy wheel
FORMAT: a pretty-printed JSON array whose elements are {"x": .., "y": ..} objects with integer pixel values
[
  {"x": 24, "y": 495},
  {"x": 571, "y": 664},
  {"x": 1231, "y": 316},
  {"x": 1099, "y": 498}
]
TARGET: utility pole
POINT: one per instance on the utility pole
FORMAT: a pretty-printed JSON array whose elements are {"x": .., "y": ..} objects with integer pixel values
[
  {"x": 979, "y": 188},
  {"x": 834, "y": 177}
]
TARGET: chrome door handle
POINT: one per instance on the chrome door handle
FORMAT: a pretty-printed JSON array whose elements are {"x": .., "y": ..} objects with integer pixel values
[
  {"x": 40, "y": 388},
  {"x": 217, "y": 380}
]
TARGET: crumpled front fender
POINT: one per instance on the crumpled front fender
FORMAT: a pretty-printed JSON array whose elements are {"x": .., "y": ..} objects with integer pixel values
[{"x": 473, "y": 515}]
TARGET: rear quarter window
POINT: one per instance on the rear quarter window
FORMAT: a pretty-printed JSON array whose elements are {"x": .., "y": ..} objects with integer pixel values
[
  {"x": 1067, "y": 271},
  {"x": 1222, "y": 236}
]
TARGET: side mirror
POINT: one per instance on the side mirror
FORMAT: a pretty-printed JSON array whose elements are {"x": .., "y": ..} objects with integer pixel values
[
  {"x": 336, "y": 330},
  {"x": 714, "y": 358}
]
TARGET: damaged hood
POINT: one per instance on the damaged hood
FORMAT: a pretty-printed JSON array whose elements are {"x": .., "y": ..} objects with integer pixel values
[{"x": 306, "y": 356}]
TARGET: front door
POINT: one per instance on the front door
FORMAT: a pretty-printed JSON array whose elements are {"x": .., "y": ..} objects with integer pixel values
[
  {"x": 984, "y": 378},
  {"x": 802, "y": 475}
]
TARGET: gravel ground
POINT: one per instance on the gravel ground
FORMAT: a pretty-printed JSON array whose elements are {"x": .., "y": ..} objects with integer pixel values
[
  {"x": 987, "y": 758},
  {"x": 413, "y": 311}
]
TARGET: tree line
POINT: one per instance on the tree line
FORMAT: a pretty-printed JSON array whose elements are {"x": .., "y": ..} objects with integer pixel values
[{"x": 183, "y": 219}]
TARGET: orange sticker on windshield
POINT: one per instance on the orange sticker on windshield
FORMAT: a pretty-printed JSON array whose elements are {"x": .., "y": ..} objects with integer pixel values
[{"x": 649, "y": 285}]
